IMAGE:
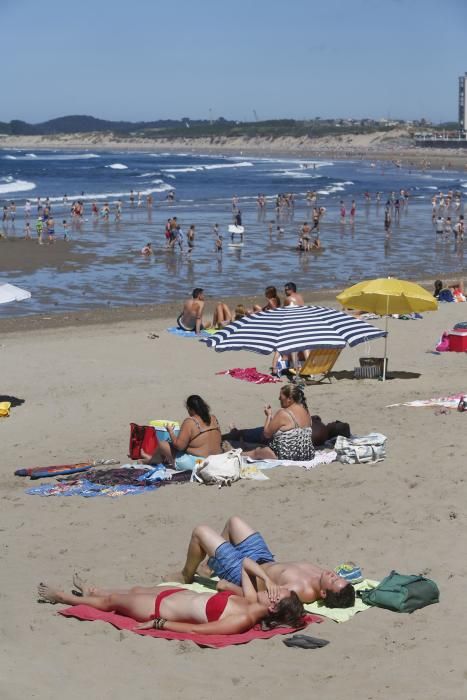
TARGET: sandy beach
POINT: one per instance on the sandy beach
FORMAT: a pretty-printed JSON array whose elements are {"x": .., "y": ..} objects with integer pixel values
[
  {"x": 84, "y": 381},
  {"x": 396, "y": 145}
]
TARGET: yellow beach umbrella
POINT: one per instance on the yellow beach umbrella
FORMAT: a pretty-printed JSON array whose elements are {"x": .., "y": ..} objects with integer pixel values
[{"x": 385, "y": 296}]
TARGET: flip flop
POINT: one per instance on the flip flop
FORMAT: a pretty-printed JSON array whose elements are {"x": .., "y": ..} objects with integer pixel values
[{"x": 303, "y": 641}]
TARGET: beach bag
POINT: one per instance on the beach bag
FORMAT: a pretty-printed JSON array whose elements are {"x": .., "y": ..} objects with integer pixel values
[
  {"x": 402, "y": 593},
  {"x": 365, "y": 449},
  {"x": 443, "y": 343},
  {"x": 221, "y": 469},
  {"x": 142, "y": 437}
]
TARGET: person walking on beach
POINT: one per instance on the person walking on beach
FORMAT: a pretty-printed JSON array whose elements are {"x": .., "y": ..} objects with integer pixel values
[
  {"x": 39, "y": 229},
  {"x": 353, "y": 209},
  {"x": 51, "y": 229},
  {"x": 27, "y": 230},
  {"x": 190, "y": 237},
  {"x": 342, "y": 212},
  {"x": 27, "y": 209}
]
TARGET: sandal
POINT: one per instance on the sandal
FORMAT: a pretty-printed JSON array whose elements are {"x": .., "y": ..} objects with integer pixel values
[{"x": 303, "y": 641}]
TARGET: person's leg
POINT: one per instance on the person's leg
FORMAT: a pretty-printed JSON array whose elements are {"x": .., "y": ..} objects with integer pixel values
[
  {"x": 204, "y": 542},
  {"x": 260, "y": 453},
  {"x": 139, "y": 606},
  {"x": 236, "y": 530},
  {"x": 86, "y": 589},
  {"x": 162, "y": 454}
]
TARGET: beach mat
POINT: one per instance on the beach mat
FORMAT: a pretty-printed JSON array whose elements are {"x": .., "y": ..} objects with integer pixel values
[
  {"x": 215, "y": 641},
  {"x": 190, "y": 334}
]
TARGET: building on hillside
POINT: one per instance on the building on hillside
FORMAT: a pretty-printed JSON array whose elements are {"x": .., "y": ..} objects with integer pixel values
[{"x": 463, "y": 102}]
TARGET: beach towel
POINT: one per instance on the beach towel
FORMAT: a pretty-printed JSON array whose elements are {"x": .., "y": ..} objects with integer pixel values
[
  {"x": 446, "y": 401},
  {"x": 215, "y": 641},
  {"x": 190, "y": 334},
  {"x": 251, "y": 374},
  {"x": 342, "y": 614},
  {"x": 321, "y": 457}
]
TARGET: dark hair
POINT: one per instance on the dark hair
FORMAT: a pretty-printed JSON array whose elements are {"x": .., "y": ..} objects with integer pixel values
[
  {"x": 291, "y": 285},
  {"x": 296, "y": 393},
  {"x": 196, "y": 404},
  {"x": 196, "y": 292},
  {"x": 438, "y": 286},
  {"x": 289, "y": 612},
  {"x": 345, "y": 598}
]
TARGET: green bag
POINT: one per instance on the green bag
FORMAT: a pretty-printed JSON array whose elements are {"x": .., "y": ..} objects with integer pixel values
[{"x": 401, "y": 593}]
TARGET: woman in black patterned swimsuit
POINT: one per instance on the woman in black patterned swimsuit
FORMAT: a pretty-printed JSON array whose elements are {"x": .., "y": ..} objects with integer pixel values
[{"x": 288, "y": 431}]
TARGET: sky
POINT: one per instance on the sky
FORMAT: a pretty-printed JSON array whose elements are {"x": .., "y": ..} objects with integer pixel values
[{"x": 148, "y": 59}]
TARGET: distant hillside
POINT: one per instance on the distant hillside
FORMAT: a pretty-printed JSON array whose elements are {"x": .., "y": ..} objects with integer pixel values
[{"x": 194, "y": 128}]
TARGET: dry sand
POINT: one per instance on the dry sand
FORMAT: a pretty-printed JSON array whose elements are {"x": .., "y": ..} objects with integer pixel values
[{"x": 84, "y": 384}]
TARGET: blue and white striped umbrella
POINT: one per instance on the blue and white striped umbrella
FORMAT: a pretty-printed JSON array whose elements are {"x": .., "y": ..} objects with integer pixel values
[{"x": 293, "y": 328}]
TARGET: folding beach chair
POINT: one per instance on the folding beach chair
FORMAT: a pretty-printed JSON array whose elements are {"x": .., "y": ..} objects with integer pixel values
[{"x": 318, "y": 365}]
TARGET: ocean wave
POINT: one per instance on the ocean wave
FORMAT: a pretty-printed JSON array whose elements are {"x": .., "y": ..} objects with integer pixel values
[
  {"x": 104, "y": 196},
  {"x": 58, "y": 156},
  {"x": 9, "y": 184},
  {"x": 204, "y": 166},
  {"x": 335, "y": 188},
  {"x": 152, "y": 174},
  {"x": 117, "y": 166},
  {"x": 296, "y": 174}
]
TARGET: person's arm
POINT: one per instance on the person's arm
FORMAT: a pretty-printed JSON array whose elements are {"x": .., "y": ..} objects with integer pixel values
[
  {"x": 224, "y": 585},
  {"x": 232, "y": 624},
  {"x": 272, "y": 423},
  {"x": 181, "y": 441},
  {"x": 198, "y": 308},
  {"x": 251, "y": 568}
]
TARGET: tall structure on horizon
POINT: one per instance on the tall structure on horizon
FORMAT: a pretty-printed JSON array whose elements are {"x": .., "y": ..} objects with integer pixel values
[{"x": 463, "y": 102}]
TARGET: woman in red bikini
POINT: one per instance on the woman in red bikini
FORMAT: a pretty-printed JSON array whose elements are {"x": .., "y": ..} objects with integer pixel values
[{"x": 184, "y": 610}]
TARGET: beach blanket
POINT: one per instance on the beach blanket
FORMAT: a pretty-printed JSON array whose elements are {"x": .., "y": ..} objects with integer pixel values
[
  {"x": 446, "y": 401},
  {"x": 175, "y": 330},
  {"x": 111, "y": 483},
  {"x": 321, "y": 457},
  {"x": 215, "y": 641},
  {"x": 414, "y": 316},
  {"x": 342, "y": 614},
  {"x": 250, "y": 374}
]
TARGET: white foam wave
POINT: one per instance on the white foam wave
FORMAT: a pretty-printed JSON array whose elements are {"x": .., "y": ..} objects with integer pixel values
[
  {"x": 204, "y": 166},
  {"x": 58, "y": 156},
  {"x": 296, "y": 174},
  {"x": 322, "y": 192},
  {"x": 104, "y": 196},
  {"x": 463, "y": 184},
  {"x": 348, "y": 182},
  {"x": 9, "y": 184},
  {"x": 117, "y": 166},
  {"x": 336, "y": 188},
  {"x": 156, "y": 172}
]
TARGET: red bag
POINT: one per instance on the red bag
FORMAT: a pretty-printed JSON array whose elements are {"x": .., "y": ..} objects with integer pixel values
[{"x": 142, "y": 437}]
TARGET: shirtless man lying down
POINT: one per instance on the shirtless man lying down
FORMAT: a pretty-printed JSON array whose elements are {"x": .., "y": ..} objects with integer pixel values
[{"x": 237, "y": 541}]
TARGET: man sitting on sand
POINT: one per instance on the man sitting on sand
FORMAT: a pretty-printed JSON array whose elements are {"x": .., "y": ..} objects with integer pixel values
[
  {"x": 191, "y": 318},
  {"x": 292, "y": 297},
  {"x": 237, "y": 541}
]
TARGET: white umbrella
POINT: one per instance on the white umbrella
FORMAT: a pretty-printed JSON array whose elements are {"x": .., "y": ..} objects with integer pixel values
[{"x": 8, "y": 293}]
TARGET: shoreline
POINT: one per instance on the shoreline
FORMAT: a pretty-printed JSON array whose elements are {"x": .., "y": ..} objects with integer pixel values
[
  {"x": 392, "y": 147},
  {"x": 101, "y": 316}
]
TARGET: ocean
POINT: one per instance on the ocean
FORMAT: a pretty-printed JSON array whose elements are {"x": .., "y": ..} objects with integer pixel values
[{"x": 108, "y": 269}]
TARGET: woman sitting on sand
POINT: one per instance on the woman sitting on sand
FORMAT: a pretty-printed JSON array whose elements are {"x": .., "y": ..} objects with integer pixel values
[
  {"x": 288, "y": 432},
  {"x": 273, "y": 301},
  {"x": 183, "y": 610},
  {"x": 199, "y": 437}
]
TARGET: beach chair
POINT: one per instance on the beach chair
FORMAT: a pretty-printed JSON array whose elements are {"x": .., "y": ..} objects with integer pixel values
[{"x": 318, "y": 365}]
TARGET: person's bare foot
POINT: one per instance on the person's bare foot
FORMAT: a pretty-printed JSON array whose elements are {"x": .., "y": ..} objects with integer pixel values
[
  {"x": 186, "y": 576},
  {"x": 81, "y": 586},
  {"x": 48, "y": 594}
]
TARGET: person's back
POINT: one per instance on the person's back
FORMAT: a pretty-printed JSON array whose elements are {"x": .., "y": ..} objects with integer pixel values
[{"x": 205, "y": 438}]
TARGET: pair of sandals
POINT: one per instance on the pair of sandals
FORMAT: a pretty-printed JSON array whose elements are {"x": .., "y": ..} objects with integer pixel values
[{"x": 304, "y": 641}]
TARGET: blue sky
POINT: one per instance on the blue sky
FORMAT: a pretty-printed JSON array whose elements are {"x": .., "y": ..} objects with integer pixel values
[{"x": 149, "y": 59}]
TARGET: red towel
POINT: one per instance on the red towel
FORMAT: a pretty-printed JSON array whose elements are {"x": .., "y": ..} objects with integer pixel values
[
  {"x": 250, "y": 374},
  {"x": 85, "y": 612}
]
